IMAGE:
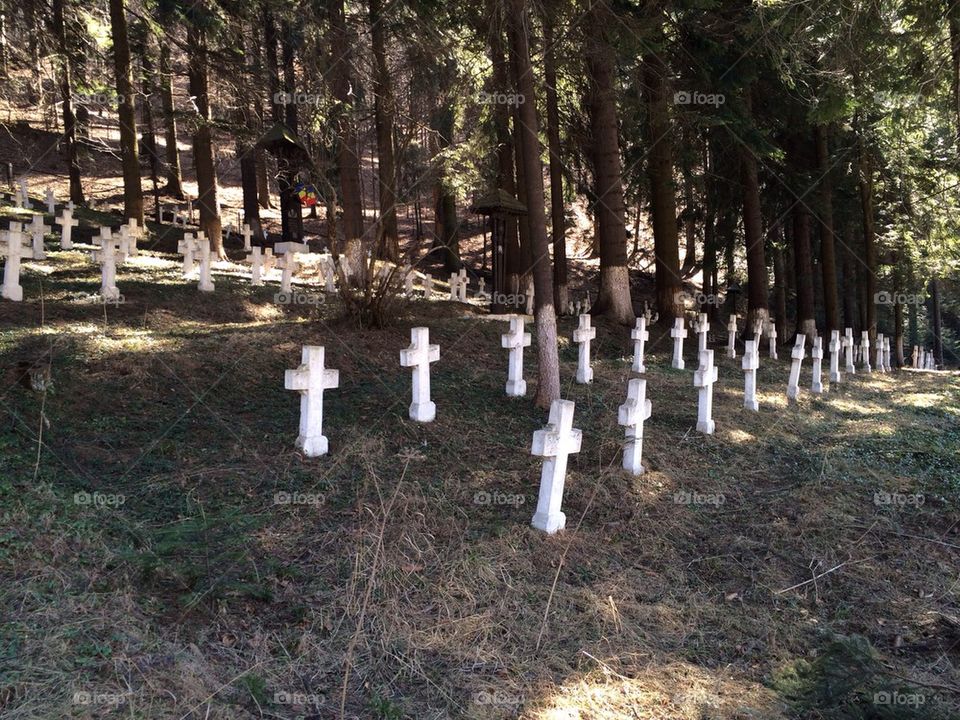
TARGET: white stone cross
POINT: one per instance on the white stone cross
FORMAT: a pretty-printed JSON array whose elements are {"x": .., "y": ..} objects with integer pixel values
[
  {"x": 310, "y": 380},
  {"x": 255, "y": 256},
  {"x": 530, "y": 293},
  {"x": 37, "y": 230},
  {"x": 187, "y": 247},
  {"x": 835, "y": 345},
  {"x": 879, "y": 353},
  {"x": 848, "y": 346},
  {"x": 462, "y": 285},
  {"x": 15, "y": 249},
  {"x": 205, "y": 284},
  {"x": 247, "y": 234},
  {"x": 678, "y": 333},
  {"x": 571, "y": 308},
  {"x": 482, "y": 290},
  {"x": 916, "y": 356},
  {"x": 886, "y": 355},
  {"x": 67, "y": 223},
  {"x": 427, "y": 286},
  {"x": 554, "y": 443},
  {"x": 454, "y": 281},
  {"x": 703, "y": 327},
  {"x": 516, "y": 340},
  {"x": 269, "y": 261},
  {"x": 798, "y": 353},
  {"x": 289, "y": 250},
  {"x": 865, "y": 350},
  {"x": 816, "y": 386},
  {"x": 582, "y": 336},
  {"x": 329, "y": 276},
  {"x": 419, "y": 356},
  {"x": 750, "y": 363},
  {"x": 704, "y": 377},
  {"x": 631, "y": 416},
  {"x": 772, "y": 336},
  {"x": 639, "y": 335},
  {"x": 51, "y": 201},
  {"x": 132, "y": 233},
  {"x": 732, "y": 337},
  {"x": 109, "y": 255}
]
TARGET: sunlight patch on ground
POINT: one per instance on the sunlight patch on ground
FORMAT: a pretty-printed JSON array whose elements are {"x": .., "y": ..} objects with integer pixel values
[
  {"x": 129, "y": 340},
  {"x": 740, "y": 436},
  {"x": 857, "y": 406},
  {"x": 677, "y": 692}
]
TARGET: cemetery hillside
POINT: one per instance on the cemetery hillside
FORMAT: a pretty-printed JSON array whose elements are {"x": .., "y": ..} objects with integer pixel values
[{"x": 554, "y": 360}]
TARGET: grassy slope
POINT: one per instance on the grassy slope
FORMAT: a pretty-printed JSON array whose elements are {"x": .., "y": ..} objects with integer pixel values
[{"x": 200, "y": 597}]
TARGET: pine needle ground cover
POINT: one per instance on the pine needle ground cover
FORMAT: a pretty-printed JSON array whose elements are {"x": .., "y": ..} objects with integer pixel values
[{"x": 167, "y": 553}]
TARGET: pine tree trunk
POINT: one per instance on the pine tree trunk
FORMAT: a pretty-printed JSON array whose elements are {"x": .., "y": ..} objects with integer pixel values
[
  {"x": 779, "y": 291},
  {"x": 828, "y": 257},
  {"x": 869, "y": 238},
  {"x": 548, "y": 386},
  {"x": 172, "y": 153},
  {"x": 291, "y": 212},
  {"x": 669, "y": 287},
  {"x": 132, "y": 193},
  {"x": 613, "y": 298},
  {"x": 851, "y": 316},
  {"x": 149, "y": 136},
  {"x": 66, "y": 97},
  {"x": 384, "y": 110},
  {"x": 557, "y": 221},
  {"x": 758, "y": 308},
  {"x": 953, "y": 24},
  {"x": 347, "y": 160},
  {"x": 247, "y": 115},
  {"x": 937, "y": 321},
  {"x": 203, "y": 152},
  {"x": 505, "y": 155}
]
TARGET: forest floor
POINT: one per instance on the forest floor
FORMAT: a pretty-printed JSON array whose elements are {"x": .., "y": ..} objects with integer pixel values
[{"x": 802, "y": 562}]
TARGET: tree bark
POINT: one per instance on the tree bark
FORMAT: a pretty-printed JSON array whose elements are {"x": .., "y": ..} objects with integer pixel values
[
  {"x": 172, "y": 152},
  {"x": 613, "y": 298},
  {"x": 828, "y": 256},
  {"x": 851, "y": 315},
  {"x": 548, "y": 386},
  {"x": 865, "y": 181},
  {"x": 758, "y": 308},
  {"x": 505, "y": 156},
  {"x": 203, "y": 152},
  {"x": 799, "y": 166},
  {"x": 132, "y": 193},
  {"x": 384, "y": 112},
  {"x": 66, "y": 97},
  {"x": 557, "y": 210},
  {"x": 953, "y": 24},
  {"x": 246, "y": 150},
  {"x": 936, "y": 320},
  {"x": 779, "y": 291},
  {"x": 669, "y": 287},
  {"x": 347, "y": 160},
  {"x": 291, "y": 212}
]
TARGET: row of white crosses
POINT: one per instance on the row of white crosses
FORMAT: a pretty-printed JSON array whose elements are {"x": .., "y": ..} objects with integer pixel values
[
  {"x": 192, "y": 246},
  {"x": 559, "y": 438},
  {"x": 923, "y": 359}
]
